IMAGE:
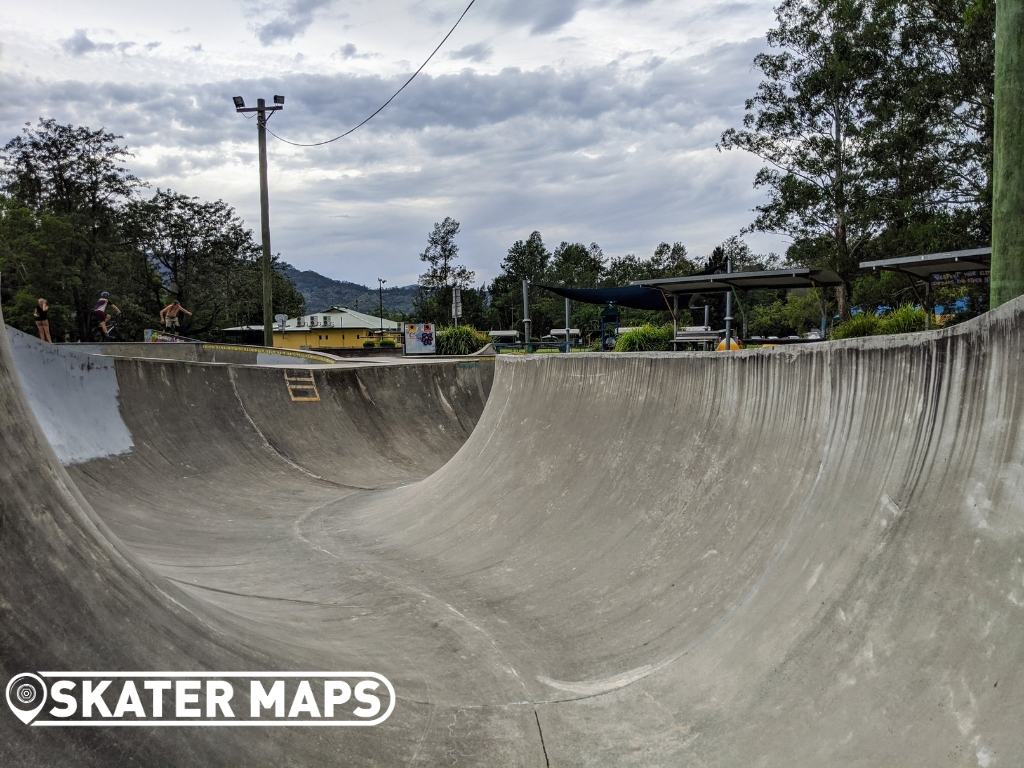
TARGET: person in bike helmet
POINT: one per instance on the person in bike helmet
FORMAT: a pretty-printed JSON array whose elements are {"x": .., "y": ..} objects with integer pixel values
[{"x": 102, "y": 311}]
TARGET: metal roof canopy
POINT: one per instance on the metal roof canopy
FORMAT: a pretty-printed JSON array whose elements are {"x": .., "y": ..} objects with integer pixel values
[
  {"x": 922, "y": 267},
  {"x": 794, "y": 277}
]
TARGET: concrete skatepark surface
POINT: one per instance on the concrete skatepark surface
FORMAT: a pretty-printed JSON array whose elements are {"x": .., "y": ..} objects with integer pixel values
[{"x": 797, "y": 557}]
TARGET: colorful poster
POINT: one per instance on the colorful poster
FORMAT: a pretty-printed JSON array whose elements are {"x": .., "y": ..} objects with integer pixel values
[
  {"x": 162, "y": 337},
  {"x": 420, "y": 339}
]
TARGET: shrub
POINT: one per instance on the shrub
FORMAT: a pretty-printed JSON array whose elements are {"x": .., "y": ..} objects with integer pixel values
[
  {"x": 388, "y": 344},
  {"x": 906, "y": 319},
  {"x": 864, "y": 324},
  {"x": 369, "y": 344},
  {"x": 464, "y": 340},
  {"x": 646, "y": 338}
]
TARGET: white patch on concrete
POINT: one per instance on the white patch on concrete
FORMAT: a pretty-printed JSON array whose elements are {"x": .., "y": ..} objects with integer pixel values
[
  {"x": 985, "y": 757},
  {"x": 979, "y": 505},
  {"x": 270, "y": 358},
  {"x": 74, "y": 397},
  {"x": 890, "y": 506},
  {"x": 814, "y": 576},
  {"x": 600, "y": 685}
]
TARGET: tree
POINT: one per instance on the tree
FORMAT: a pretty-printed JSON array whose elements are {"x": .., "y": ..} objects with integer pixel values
[
  {"x": 526, "y": 260},
  {"x": 875, "y": 120},
  {"x": 443, "y": 273},
  {"x": 78, "y": 176},
  {"x": 72, "y": 225},
  {"x": 806, "y": 121},
  {"x": 201, "y": 254}
]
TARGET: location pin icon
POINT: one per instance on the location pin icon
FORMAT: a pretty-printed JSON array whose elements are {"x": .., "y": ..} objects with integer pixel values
[{"x": 26, "y": 695}]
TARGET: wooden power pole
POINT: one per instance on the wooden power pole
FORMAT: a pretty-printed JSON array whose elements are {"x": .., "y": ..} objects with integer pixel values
[
  {"x": 262, "y": 113},
  {"x": 1007, "y": 281}
]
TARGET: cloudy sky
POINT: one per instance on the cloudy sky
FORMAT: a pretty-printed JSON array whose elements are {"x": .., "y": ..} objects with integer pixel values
[{"x": 589, "y": 120}]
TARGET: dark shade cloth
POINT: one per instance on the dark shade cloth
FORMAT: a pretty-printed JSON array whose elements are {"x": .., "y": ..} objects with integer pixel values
[{"x": 632, "y": 296}]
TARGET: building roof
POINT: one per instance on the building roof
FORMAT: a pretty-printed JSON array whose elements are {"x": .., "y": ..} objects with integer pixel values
[
  {"x": 793, "y": 277},
  {"x": 924, "y": 266},
  {"x": 342, "y": 317}
]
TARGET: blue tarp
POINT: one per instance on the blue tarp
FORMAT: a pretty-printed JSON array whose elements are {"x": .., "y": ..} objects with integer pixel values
[{"x": 632, "y": 296}]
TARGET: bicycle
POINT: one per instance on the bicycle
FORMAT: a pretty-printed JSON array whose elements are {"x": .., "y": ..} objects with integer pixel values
[{"x": 96, "y": 333}]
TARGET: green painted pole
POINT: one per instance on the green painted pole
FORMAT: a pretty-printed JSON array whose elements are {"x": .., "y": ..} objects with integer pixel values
[{"x": 1008, "y": 156}]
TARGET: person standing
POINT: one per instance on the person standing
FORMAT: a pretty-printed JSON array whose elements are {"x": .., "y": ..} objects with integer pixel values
[
  {"x": 42, "y": 323},
  {"x": 169, "y": 316},
  {"x": 102, "y": 311}
]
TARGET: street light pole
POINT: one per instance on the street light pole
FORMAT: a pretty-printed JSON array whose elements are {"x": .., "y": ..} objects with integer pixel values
[
  {"x": 263, "y": 112},
  {"x": 380, "y": 293}
]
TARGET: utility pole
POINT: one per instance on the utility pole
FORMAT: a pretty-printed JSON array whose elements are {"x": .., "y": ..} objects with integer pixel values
[
  {"x": 1008, "y": 156},
  {"x": 262, "y": 114},
  {"x": 380, "y": 293}
]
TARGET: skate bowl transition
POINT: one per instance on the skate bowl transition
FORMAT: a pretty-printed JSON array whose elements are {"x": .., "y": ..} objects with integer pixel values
[{"x": 784, "y": 557}]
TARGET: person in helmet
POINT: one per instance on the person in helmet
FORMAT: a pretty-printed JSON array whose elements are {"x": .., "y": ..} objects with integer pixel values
[{"x": 102, "y": 311}]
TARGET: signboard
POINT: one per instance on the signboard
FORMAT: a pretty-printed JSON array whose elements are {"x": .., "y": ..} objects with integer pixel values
[
  {"x": 456, "y": 302},
  {"x": 420, "y": 339},
  {"x": 951, "y": 279}
]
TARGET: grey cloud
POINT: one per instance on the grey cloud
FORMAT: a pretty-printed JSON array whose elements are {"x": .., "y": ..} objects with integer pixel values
[
  {"x": 548, "y": 15},
  {"x": 294, "y": 20},
  {"x": 540, "y": 15},
  {"x": 197, "y": 48},
  {"x": 507, "y": 152},
  {"x": 349, "y": 51},
  {"x": 478, "y": 52},
  {"x": 79, "y": 44},
  {"x": 151, "y": 46}
]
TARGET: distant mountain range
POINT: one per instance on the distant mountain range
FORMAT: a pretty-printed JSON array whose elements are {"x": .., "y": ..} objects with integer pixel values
[{"x": 323, "y": 293}]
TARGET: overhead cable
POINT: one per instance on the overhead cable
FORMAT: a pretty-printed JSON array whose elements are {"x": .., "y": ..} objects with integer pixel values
[{"x": 382, "y": 106}]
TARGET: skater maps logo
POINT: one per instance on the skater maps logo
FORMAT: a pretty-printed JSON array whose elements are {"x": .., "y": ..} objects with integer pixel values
[{"x": 302, "y": 699}]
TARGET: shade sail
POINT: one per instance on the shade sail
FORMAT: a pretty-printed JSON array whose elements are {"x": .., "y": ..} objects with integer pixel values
[{"x": 632, "y": 296}]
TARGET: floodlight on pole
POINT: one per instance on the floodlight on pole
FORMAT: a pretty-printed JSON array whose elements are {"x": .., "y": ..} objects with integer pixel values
[
  {"x": 380, "y": 293},
  {"x": 263, "y": 112}
]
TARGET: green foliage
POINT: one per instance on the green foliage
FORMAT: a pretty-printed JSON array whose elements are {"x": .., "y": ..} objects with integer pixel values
[
  {"x": 369, "y": 344},
  {"x": 646, "y": 338},
  {"x": 388, "y": 343},
  {"x": 795, "y": 315},
  {"x": 464, "y": 340},
  {"x": 905, "y": 319},
  {"x": 874, "y": 120},
  {"x": 434, "y": 301},
  {"x": 862, "y": 324},
  {"x": 72, "y": 224}
]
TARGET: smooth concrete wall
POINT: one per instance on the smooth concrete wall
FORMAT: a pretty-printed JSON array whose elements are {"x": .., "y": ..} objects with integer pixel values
[{"x": 803, "y": 556}]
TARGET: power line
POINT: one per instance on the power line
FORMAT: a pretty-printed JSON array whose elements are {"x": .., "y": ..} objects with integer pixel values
[{"x": 382, "y": 106}]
